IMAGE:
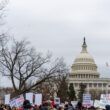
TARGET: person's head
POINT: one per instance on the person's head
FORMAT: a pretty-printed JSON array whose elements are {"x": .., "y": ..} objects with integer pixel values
[
  {"x": 66, "y": 105},
  {"x": 1, "y": 108},
  {"x": 61, "y": 107},
  {"x": 27, "y": 104},
  {"x": 70, "y": 104},
  {"x": 107, "y": 107},
  {"x": 79, "y": 104},
  {"x": 8, "y": 107},
  {"x": 55, "y": 106},
  {"x": 13, "y": 108}
]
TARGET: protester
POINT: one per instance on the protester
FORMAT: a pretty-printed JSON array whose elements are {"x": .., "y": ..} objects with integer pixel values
[
  {"x": 8, "y": 107},
  {"x": 14, "y": 108},
  {"x": 70, "y": 106},
  {"x": 27, "y": 105},
  {"x": 79, "y": 106},
  {"x": 107, "y": 107},
  {"x": 66, "y": 107},
  {"x": 44, "y": 106}
]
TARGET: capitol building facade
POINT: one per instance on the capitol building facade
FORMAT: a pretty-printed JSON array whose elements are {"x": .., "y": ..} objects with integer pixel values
[{"x": 84, "y": 71}]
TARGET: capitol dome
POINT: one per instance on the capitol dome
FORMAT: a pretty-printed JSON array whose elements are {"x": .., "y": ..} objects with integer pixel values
[
  {"x": 84, "y": 58},
  {"x": 84, "y": 65}
]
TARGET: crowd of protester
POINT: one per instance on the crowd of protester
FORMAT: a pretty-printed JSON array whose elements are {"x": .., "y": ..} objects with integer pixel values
[{"x": 49, "y": 106}]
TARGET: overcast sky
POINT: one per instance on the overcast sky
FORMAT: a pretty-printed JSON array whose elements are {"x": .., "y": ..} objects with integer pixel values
[{"x": 60, "y": 25}]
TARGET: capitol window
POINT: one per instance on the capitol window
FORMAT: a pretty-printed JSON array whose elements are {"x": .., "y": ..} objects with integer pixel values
[
  {"x": 76, "y": 84},
  {"x": 99, "y": 85},
  {"x": 104, "y": 85},
  {"x": 95, "y": 85},
  {"x": 90, "y": 85}
]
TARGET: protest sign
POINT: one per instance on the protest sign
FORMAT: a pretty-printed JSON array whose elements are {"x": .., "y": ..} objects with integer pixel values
[
  {"x": 87, "y": 100},
  {"x": 13, "y": 103},
  {"x": 57, "y": 100},
  {"x": 29, "y": 96},
  {"x": 17, "y": 101},
  {"x": 74, "y": 103},
  {"x": 92, "y": 102},
  {"x": 38, "y": 99},
  {"x": 104, "y": 100},
  {"x": 7, "y": 99},
  {"x": 97, "y": 103}
]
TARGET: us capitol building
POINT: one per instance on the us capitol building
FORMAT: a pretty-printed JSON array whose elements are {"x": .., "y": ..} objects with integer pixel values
[{"x": 84, "y": 71}]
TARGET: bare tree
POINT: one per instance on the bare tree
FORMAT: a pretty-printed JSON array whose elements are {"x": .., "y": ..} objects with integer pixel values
[
  {"x": 26, "y": 68},
  {"x": 3, "y": 35},
  {"x": 56, "y": 86},
  {"x": 3, "y": 4}
]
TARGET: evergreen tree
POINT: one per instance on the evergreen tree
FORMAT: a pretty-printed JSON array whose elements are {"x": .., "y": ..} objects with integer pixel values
[
  {"x": 81, "y": 91},
  {"x": 71, "y": 92},
  {"x": 63, "y": 89}
]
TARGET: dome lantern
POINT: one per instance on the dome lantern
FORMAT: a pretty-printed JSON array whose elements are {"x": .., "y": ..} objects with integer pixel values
[{"x": 84, "y": 46}]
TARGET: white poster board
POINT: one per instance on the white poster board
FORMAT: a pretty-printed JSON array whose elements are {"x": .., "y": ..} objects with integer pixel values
[
  {"x": 57, "y": 101},
  {"x": 38, "y": 99},
  {"x": 29, "y": 96},
  {"x": 92, "y": 102},
  {"x": 74, "y": 103},
  {"x": 13, "y": 103},
  {"x": 7, "y": 99},
  {"x": 97, "y": 103},
  {"x": 104, "y": 100}
]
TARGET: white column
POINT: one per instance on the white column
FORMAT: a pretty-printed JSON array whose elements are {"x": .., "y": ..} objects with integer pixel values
[
  {"x": 92, "y": 85},
  {"x": 107, "y": 89},
  {"x": 102, "y": 87}
]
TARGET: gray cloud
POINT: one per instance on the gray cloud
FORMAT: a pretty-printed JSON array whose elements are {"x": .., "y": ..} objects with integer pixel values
[{"x": 60, "y": 25}]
